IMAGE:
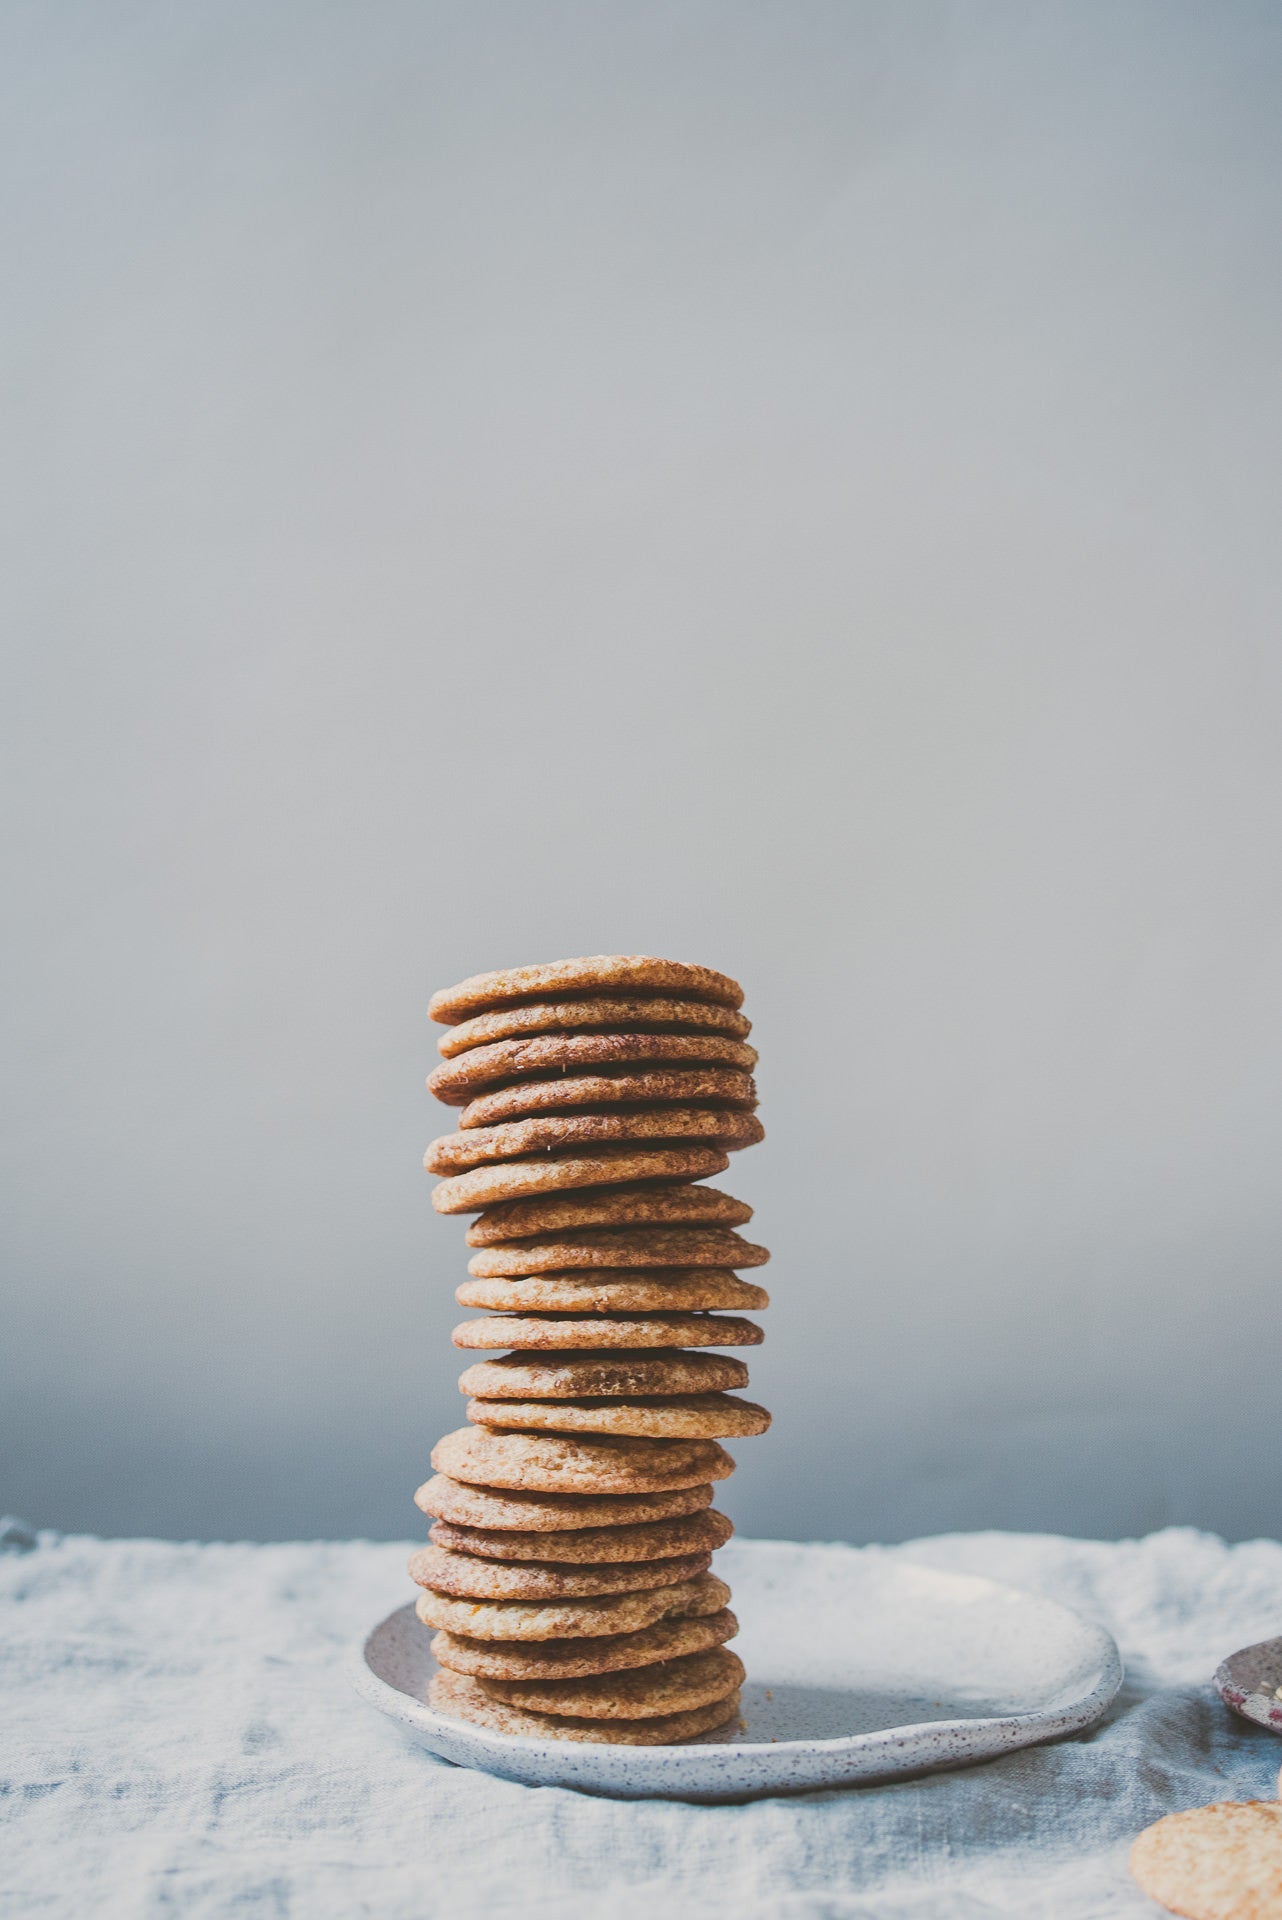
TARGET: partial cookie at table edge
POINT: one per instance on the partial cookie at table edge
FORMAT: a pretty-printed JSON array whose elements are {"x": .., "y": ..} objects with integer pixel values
[{"x": 1219, "y": 1862}]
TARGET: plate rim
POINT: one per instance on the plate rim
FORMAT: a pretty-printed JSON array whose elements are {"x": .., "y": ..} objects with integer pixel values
[{"x": 1073, "y": 1717}]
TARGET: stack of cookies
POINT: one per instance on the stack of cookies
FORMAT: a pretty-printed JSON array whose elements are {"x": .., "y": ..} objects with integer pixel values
[{"x": 568, "y": 1571}]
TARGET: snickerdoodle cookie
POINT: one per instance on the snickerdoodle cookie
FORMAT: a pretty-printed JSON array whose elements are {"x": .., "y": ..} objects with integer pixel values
[
  {"x": 670, "y": 1686},
  {"x": 534, "y": 1332},
  {"x": 461, "y": 1079},
  {"x": 514, "y": 1179},
  {"x": 568, "y": 1619},
  {"x": 725, "y": 1127},
  {"x": 463, "y": 1698},
  {"x": 625, "y": 1373},
  {"x": 573, "y": 1659},
  {"x": 617, "y": 1247},
  {"x": 599, "y": 1015},
  {"x": 557, "y": 1463},
  {"x": 665, "y": 1289},
  {"x": 668, "y": 1205},
  {"x": 590, "y": 1546},
  {"x": 1222, "y": 1862},
  {"x": 464, "y": 1576},
  {"x": 716, "y": 1415},
  {"x": 519, "y": 1509},
  {"x": 608, "y": 973},
  {"x": 699, "y": 1087}
]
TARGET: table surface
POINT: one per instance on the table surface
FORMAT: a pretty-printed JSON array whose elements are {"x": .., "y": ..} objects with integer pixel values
[{"x": 179, "y": 1736}]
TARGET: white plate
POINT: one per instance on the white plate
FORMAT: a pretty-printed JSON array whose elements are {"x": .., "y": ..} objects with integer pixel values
[{"x": 860, "y": 1666}]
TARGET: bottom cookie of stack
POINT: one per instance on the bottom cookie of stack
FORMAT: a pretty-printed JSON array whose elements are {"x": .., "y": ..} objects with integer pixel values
[
  {"x": 613, "y": 1720},
  {"x": 578, "y": 1606}
]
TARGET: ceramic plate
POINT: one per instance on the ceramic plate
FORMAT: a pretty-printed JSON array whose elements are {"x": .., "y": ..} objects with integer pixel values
[{"x": 860, "y": 1666}]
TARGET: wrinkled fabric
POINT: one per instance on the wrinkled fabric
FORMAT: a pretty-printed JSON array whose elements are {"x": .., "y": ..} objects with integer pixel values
[{"x": 178, "y": 1735}]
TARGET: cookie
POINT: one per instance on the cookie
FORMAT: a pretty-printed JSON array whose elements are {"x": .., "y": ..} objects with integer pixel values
[
  {"x": 572, "y": 1619},
  {"x": 600, "y": 1015},
  {"x": 543, "y": 1513},
  {"x": 598, "y": 973},
  {"x": 554, "y": 1463},
  {"x": 692, "y": 1086},
  {"x": 515, "y": 1179},
  {"x": 725, "y": 1127},
  {"x": 462, "y": 1698},
  {"x": 618, "y": 1247},
  {"x": 670, "y": 1686},
  {"x": 715, "y": 1415},
  {"x": 590, "y": 1546},
  {"x": 574, "y": 1659},
  {"x": 622, "y": 1374},
  {"x": 463, "y": 1576},
  {"x": 675, "y": 1205},
  {"x": 690, "y": 1290},
  {"x": 1222, "y": 1862},
  {"x": 459, "y": 1080},
  {"x": 555, "y": 1331}
]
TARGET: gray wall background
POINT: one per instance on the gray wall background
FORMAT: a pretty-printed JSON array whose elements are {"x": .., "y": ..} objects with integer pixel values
[{"x": 787, "y": 486}]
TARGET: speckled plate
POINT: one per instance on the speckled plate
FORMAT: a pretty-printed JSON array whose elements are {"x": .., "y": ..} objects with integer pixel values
[
  {"x": 861, "y": 1666},
  {"x": 1250, "y": 1681}
]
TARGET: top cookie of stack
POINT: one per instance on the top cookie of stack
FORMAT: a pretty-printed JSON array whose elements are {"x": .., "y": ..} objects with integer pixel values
[{"x": 568, "y": 1565}]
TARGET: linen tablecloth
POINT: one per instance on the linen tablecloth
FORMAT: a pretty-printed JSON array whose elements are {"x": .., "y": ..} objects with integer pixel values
[{"x": 178, "y": 1736}]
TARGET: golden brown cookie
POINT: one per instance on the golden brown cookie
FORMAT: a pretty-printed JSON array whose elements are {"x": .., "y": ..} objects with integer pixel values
[
  {"x": 617, "y": 1247},
  {"x": 533, "y": 1333},
  {"x": 1222, "y": 1862},
  {"x": 725, "y": 1127},
  {"x": 462, "y": 1698},
  {"x": 515, "y": 1510},
  {"x": 598, "y": 1015},
  {"x": 556, "y": 1463},
  {"x": 514, "y": 1179},
  {"x": 590, "y": 1546},
  {"x": 574, "y": 1659},
  {"x": 611, "y": 1614},
  {"x": 463, "y": 1576},
  {"x": 691, "y": 1086},
  {"x": 459, "y": 1080},
  {"x": 715, "y": 1415},
  {"x": 670, "y": 1686},
  {"x": 593, "y": 1376},
  {"x": 672, "y": 1205},
  {"x": 685, "y": 1289},
  {"x": 598, "y": 973}
]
